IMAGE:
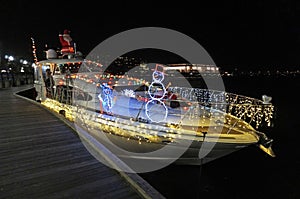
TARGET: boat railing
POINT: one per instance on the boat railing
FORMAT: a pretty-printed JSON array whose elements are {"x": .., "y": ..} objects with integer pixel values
[{"x": 251, "y": 110}]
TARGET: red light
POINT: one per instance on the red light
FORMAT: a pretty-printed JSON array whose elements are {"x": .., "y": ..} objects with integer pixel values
[{"x": 61, "y": 82}]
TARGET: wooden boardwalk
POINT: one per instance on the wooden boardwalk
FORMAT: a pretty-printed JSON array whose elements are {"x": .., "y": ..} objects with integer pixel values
[{"x": 42, "y": 157}]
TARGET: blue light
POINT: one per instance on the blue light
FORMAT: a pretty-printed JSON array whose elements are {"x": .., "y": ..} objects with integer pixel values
[{"x": 106, "y": 98}]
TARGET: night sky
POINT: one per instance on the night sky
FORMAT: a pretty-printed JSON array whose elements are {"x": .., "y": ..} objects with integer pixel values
[{"x": 245, "y": 34}]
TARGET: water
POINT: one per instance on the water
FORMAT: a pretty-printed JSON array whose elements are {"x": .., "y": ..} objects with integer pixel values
[{"x": 248, "y": 173}]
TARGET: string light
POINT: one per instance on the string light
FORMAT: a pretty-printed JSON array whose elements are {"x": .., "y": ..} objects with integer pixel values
[
  {"x": 34, "y": 51},
  {"x": 240, "y": 112},
  {"x": 243, "y": 107},
  {"x": 156, "y": 103}
]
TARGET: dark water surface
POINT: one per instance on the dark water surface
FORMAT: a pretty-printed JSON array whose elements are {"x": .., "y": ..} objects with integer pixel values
[{"x": 248, "y": 173}]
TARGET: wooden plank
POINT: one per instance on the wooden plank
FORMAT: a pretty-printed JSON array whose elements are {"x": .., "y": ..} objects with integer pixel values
[
  {"x": 92, "y": 189},
  {"x": 31, "y": 129},
  {"x": 42, "y": 157}
]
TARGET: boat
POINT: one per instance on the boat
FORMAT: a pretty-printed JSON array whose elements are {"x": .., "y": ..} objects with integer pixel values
[{"x": 142, "y": 116}]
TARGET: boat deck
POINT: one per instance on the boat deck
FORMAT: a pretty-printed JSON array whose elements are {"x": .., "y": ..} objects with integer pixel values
[{"x": 42, "y": 157}]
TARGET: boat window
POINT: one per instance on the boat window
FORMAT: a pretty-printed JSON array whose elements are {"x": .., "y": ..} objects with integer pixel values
[
  {"x": 80, "y": 95},
  {"x": 69, "y": 68},
  {"x": 57, "y": 71},
  {"x": 44, "y": 67}
]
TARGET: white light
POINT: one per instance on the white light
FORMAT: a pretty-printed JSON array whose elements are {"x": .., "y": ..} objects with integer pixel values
[
  {"x": 266, "y": 99},
  {"x": 25, "y": 62},
  {"x": 11, "y": 58}
]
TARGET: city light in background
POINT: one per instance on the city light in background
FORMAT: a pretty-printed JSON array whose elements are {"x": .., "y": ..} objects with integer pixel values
[{"x": 15, "y": 71}]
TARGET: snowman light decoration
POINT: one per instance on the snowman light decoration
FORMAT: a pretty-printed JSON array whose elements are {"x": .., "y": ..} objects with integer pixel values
[{"x": 156, "y": 110}]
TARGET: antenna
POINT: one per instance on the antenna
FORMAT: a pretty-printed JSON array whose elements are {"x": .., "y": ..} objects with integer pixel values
[
  {"x": 34, "y": 51},
  {"x": 74, "y": 48}
]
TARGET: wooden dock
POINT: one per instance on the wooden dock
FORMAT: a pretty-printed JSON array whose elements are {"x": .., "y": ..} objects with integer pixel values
[{"x": 42, "y": 157}]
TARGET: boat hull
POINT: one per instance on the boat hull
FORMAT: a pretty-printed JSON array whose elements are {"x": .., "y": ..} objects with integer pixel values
[{"x": 136, "y": 152}]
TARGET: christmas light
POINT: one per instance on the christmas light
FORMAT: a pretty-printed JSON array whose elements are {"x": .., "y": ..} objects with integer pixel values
[
  {"x": 34, "y": 51},
  {"x": 157, "y": 92}
]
